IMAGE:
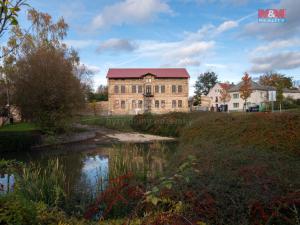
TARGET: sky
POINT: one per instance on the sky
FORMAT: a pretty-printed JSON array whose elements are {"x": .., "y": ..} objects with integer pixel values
[{"x": 223, "y": 36}]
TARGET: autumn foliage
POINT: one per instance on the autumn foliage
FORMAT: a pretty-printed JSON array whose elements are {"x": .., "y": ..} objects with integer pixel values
[{"x": 245, "y": 88}]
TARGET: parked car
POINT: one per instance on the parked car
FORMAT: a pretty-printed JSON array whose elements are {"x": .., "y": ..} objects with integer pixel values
[{"x": 253, "y": 108}]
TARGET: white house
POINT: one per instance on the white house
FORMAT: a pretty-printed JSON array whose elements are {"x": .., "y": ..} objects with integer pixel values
[
  {"x": 215, "y": 94},
  {"x": 259, "y": 96},
  {"x": 291, "y": 93}
]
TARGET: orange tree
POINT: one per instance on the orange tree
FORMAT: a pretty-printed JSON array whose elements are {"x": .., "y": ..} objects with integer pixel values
[
  {"x": 225, "y": 96},
  {"x": 245, "y": 88}
]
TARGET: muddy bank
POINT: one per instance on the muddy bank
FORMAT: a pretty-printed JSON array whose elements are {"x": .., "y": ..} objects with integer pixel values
[{"x": 101, "y": 135}]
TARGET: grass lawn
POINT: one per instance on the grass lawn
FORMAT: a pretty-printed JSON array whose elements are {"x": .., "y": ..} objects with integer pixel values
[
  {"x": 122, "y": 123},
  {"x": 19, "y": 127}
]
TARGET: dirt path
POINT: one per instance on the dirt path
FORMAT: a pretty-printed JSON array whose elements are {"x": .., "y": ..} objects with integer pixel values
[{"x": 132, "y": 137}]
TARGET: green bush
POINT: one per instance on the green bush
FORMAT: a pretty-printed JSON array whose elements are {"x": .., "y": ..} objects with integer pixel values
[
  {"x": 167, "y": 124},
  {"x": 114, "y": 122},
  {"x": 16, "y": 210}
]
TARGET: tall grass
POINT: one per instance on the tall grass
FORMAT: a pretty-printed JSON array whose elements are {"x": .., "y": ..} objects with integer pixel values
[
  {"x": 140, "y": 160},
  {"x": 46, "y": 184}
]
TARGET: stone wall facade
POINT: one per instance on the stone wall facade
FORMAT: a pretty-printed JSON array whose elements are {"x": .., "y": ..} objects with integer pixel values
[{"x": 147, "y": 94}]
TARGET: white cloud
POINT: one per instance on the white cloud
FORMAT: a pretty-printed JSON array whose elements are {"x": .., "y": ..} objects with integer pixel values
[
  {"x": 210, "y": 31},
  {"x": 188, "y": 62},
  {"x": 176, "y": 53},
  {"x": 281, "y": 61},
  {"x": 91, "y": 68},
  {"x": 213, "y": 65},
  {"x": 116, "y": 45},
  {"x": 276, "y": 45},
  {"x": 227, "y": 25},
  {"x": 129, "y": 12},
  {"x": 224, "y": 2}
]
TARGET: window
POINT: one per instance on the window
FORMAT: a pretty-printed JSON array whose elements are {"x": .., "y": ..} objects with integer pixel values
[
  {"x": 116, "y": 89},
  {"x": 236, "y": 105},
  {"x": 216, "y": 99},
  {"x": 116, "y": 104},
  {"x": 173, "y": 88},
  {"x": 162, "y": 88},
  {"x": 179, "y": 103},
  {"x": 179, "y": 88},
  {"x": 122, "y": 88},
  {"x": 133, "y": 104},
  {"x": 235, "y": 96},
  {"x": 156, "y": 89},
  {"x": 148, "y": 89},
  {"x": 163, "y": 103},
  {"x": 140, "y": 89},
  {"x": 123, "y": 104},
  {"x": 156, "y": 104},
  {"x": 140, "y": 104},
  {"x": 173, "y": 103},
  {"x": 133, "y": 88}
]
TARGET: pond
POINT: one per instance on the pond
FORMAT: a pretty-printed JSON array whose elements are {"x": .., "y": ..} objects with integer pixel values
[{"x": 89, "y": 167}]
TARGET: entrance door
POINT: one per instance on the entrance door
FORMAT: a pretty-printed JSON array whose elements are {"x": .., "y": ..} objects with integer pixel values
[{"x": 147, "y": 105}]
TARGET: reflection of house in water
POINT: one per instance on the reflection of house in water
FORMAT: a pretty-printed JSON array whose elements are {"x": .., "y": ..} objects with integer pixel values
[{"x": 6, "y": 183}]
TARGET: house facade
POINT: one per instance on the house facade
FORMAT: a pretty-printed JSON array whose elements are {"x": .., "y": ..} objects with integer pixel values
[
  {"x": 291, "y": 93},
  {"x": 259, "y": 96},
  {"x": 134, "y": 91},
  {"x": 215, "y": 95}
]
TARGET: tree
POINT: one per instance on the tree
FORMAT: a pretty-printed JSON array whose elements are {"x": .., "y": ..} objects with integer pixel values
[
  {"x": 278, "y": 81},
  {"x": 245, "y": 88},
  {"x": 46, "y": 88},
  {"x": 225, "y": 96},
  {"x": 204, "y": 83},
  {"x": 102, "y": 89},
  {"x": 9, "y": 10},
  {"x": 101, "y": 93}
]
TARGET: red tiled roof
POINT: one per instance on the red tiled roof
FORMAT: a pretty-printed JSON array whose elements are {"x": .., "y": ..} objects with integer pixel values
[
  {"x": 158, "y": 72},
  {"x": 225, "y": 85}
]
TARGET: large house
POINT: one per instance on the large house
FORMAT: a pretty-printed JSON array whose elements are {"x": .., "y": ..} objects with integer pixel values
[
  {"x": 133, "y": 91},
  {"x": 259, "y": 96}
]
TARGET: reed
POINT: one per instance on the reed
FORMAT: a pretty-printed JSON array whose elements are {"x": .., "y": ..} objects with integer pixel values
[{"x": 46, "y": 184}]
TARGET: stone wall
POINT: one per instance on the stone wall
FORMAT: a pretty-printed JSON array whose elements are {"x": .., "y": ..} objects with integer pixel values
[{"x": 95, "y": 108}]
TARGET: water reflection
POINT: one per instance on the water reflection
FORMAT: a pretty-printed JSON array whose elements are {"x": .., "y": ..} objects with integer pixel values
[
  {"x": 6, "y": 183},
  {"x": 95, "y": 167},
  {"x": 90, "y": 170}
]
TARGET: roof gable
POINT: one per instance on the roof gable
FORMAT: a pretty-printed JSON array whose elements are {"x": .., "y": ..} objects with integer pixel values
[{"x": 140, "y": 72}]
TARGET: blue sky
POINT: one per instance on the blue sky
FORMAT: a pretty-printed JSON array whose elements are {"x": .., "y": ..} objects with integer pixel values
[{"x": 219, "y": 35}]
